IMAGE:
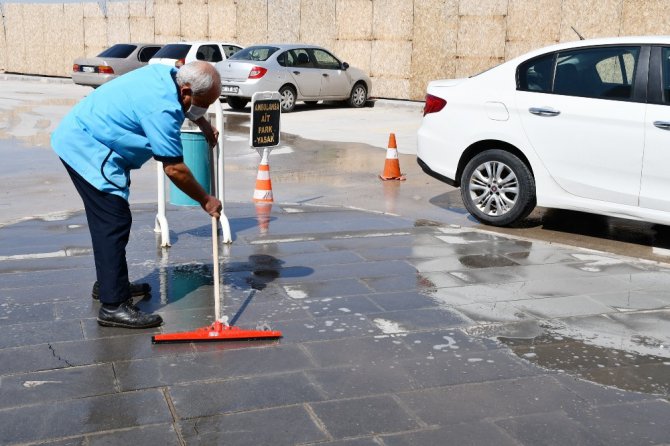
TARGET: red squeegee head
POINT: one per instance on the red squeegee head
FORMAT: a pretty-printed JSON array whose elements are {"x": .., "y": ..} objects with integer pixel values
[{"x": 218, "y": 331}]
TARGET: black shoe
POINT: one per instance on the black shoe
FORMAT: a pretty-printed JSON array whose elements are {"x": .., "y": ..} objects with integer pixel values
[
  {"x": 136, "y": 290},
  {"x": 127, "y": 315}
]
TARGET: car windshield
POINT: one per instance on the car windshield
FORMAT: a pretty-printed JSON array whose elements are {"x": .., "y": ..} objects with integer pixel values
[
  {"x": 173, "y": 51},
  {"x": 259, "y": 53},
  {"x": 121, "y": 50}
]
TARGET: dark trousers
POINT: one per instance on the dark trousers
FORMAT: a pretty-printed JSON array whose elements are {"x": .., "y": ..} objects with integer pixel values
[{"x": 109, "y": 221}]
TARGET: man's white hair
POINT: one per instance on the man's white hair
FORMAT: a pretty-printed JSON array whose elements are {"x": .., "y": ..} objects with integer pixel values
[{"x": 197, "y": 75}]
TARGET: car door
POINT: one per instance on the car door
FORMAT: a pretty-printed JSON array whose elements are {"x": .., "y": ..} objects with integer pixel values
[
  {"x": 655, "y": 174},
  {"x": 335, "y": 82},
  {"x": 586, "y": 121},
  {"x": 303, "y": 71}
]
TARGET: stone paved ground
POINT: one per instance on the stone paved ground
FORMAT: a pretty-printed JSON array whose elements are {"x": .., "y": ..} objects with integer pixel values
[{"x": 379, "y": 316}]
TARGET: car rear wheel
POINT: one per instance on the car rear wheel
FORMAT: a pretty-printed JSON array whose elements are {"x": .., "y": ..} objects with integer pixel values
[
  {"x": 237, "y": 103},
  {"x": 287, "y": 94},
  {"x": 498, "y": 188},
  {"x": 358, "y": 96}
]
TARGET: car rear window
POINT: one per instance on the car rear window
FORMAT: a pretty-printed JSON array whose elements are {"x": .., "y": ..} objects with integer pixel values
[
  {"x": 259, "y": 53},
  {"x": 536, "y": 74},
  {"x": 173, "y": 51},
  {"x": 120, "y": 50}
]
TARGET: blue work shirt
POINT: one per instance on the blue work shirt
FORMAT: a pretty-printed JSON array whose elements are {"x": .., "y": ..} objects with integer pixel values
[{"x": 120, "y": 126}]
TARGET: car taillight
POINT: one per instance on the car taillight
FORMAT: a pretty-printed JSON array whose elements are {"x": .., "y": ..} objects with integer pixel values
[
  {"x": 75, "y": 67},
  {"x": 257, "y": 72},
  {"x": 104, "y": 69},
  {"x": 433, "y": 104},
  {"x": 180, "y": 63}
]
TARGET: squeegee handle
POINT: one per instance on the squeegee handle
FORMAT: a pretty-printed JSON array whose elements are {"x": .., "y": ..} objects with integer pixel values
[{"x": 216, "y": 274}]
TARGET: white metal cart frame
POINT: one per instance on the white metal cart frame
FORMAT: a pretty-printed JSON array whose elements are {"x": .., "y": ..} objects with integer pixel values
[{"x": 161, "y": 225}]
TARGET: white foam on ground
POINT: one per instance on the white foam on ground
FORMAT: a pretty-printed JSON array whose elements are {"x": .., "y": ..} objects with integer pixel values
[
  {"x": 388, "y": 327},
  {"x": 295, "y": 293},
  {"x": 31, "y": 384}
]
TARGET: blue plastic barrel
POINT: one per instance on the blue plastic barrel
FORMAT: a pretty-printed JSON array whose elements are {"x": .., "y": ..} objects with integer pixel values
[{"x": 196, "y": 157}]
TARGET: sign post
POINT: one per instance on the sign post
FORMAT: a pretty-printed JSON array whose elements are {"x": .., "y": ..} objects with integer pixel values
[
  {"x": 265, "y": 119},
  {"x": 263, "y": 136}
]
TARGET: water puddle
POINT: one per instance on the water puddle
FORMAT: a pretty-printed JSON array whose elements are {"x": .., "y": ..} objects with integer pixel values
[{"x": 607, "y": 366}]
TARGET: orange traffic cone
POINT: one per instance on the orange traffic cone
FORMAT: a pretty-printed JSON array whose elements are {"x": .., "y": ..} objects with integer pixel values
[
  {"x": 263, "y": 191},
  {"x": 263, "y": 211},
  {"x": 392, "y": 164}
]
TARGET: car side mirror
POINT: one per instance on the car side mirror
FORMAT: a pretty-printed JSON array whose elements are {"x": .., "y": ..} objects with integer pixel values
[{"x": 345, "y": 65}]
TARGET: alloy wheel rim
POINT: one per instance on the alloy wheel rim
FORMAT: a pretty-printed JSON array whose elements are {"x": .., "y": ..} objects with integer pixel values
[
  {"x": 287, "y": 99},
  {"x": 494, "y": 188},
  {"x": 359, "y": 95}
]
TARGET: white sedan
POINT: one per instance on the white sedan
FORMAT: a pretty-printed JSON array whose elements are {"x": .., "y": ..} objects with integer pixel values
[{"x": 581, "y": 125}]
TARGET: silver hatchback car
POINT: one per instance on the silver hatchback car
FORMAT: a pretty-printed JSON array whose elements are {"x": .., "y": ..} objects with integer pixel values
[{"x": 298, "y": 72}]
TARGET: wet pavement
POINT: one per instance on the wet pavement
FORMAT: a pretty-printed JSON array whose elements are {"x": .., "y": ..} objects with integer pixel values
[
  {"x": 405, "y": 322},
  {"x": 396, "y": 332}
]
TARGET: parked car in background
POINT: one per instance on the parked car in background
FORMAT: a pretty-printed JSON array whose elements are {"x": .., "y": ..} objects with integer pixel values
[
  {"x": 582, "y": 125},
  {"x": 111, "y": 63},
  {"x": 298, "y": 72},
  {"x": 178, "y": 54}
]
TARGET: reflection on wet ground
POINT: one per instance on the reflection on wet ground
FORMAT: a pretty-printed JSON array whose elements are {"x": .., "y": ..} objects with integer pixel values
[
  {"x": 600, "y": 317},
  {"x": 611, "y": 367}
]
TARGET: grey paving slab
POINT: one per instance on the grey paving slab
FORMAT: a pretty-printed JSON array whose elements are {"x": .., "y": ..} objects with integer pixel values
[
  {"x": 244, "y": 394},
  {"x": 334, "y": 306},
  {"x": 51, "y": 277},
  {"x": 498, "y": 399},
  {"x": 408, "y": 282},
  {"x": 550, "y": 429},
  {"x": 464, "y": 434},
  {"x": 599, "y": 395},
  {"x": 642, "y": 423},
  {"x": 46, "y": 293},
  {"x": 444, "y": 342},
  {"x": 81, "y": 416},
  {"x": 445, "y": 367},
  {"x": 326, "y": 288},
  {"x": 409, "y": 300},
  {"x": 324, "y": 328},
  {"x": 15, "y": 313},
  {"x": 356, "y": 350},
  {"x": 17, "y": 335},
  {"x": 81, "y": 441},
  {"x": 423, "y": 318},
  {"x": 364, "y": 379},
  {"x": 153, "y": 435},
  {"x": 632, "y": 300},
  {"x": 562, "y": 307},
  {"x": 244, "y": 360},
  {"x": 364, "y": 270},
  {"x": 364, "y": 416},
  {"x": 57, "y": 385},
  {"x": 29, "y": 359},
  {"x": 116, "y": 348},
  {"x": 284, "y": 426},
  {"x": 366, "y": 441}
]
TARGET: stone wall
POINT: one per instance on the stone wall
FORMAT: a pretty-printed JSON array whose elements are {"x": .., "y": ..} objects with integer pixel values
[{"x": 402, "y": 44}]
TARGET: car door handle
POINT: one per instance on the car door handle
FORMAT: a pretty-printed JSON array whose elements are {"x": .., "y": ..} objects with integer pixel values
[
  {"x": 324, "y": 74},
  {"x": 296, "y": 72},
  {"x": 663, "y": 125},
  {"x": 544, "y": 111}
]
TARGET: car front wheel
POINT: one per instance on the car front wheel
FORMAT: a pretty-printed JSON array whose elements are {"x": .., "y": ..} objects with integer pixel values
[
  {"x": 498, "y": 188},
  {"x": 358, "y": 96},
  {"x": 287, "y": 94},
  {"x": 237, "y": 103}
]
